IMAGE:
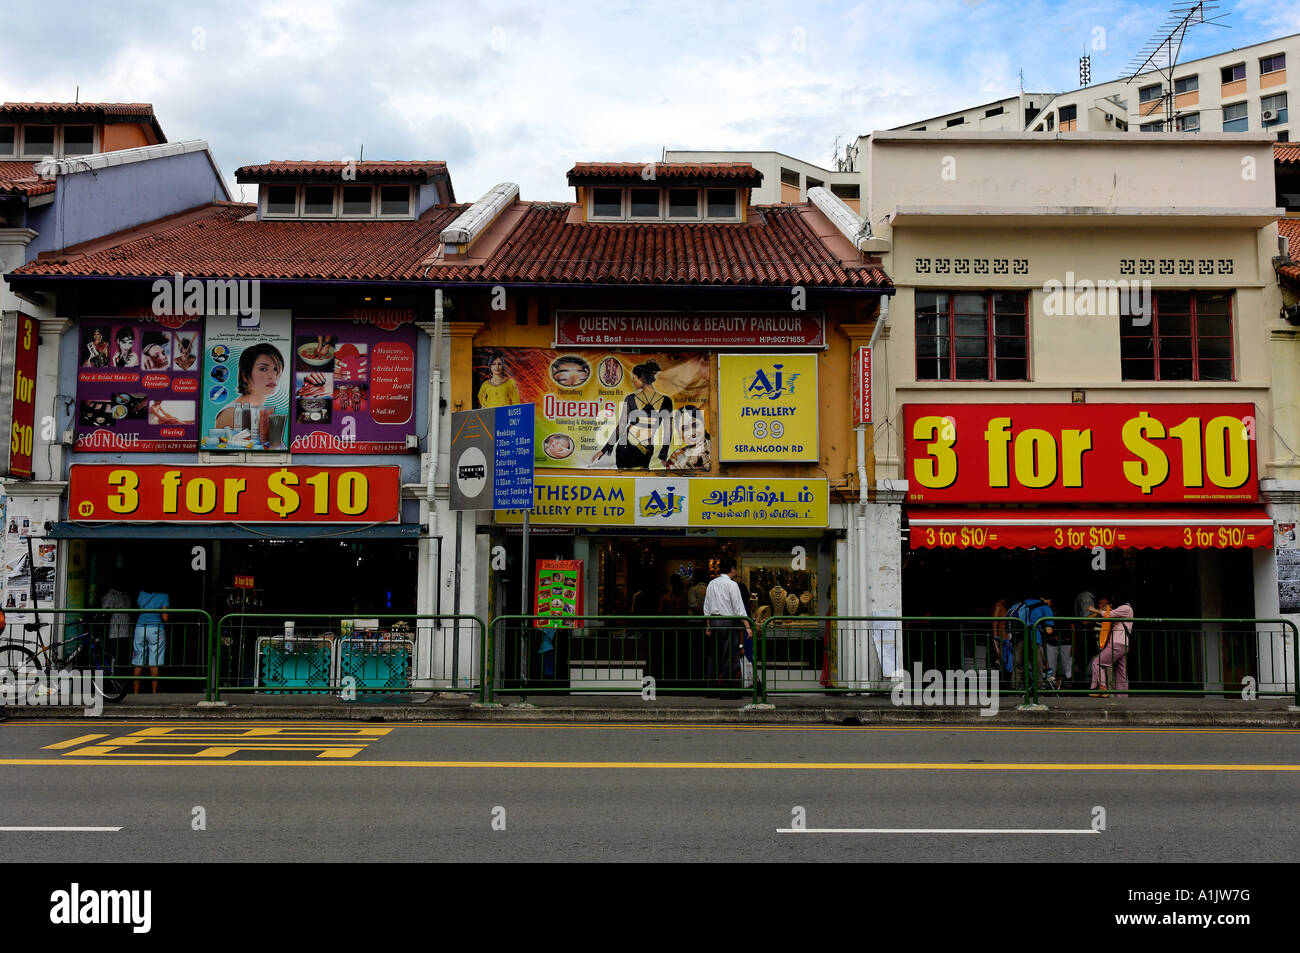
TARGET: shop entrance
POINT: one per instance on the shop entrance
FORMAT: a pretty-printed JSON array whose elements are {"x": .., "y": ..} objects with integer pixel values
[
  {"x": 662, "y": 576},
  {"x": 1158, "y": 583},
  {"x": 347, "y": 579}
]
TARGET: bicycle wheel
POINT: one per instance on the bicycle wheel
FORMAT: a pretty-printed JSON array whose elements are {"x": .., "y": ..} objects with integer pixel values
[
  {"x": 19, "y": 671},
  {"x": 114, "y": 689}
]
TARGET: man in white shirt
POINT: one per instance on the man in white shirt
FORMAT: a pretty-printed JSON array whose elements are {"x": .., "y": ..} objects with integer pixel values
[{"x": 722, "y": 598}]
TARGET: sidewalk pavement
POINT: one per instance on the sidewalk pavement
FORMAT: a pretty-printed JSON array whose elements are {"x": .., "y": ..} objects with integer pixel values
[{"x": 811, "y": 709}]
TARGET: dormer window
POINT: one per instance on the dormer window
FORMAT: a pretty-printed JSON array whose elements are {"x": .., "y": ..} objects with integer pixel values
[
  {"x": 395, "y": 200},
  {"x": 358, "y": 200},
  {"x": 664, "y": 191},
  {"x": 78, "y": 140},
  {"x": 652, "y": 205},
  {"x": 336, "y": 201},
  {"x": 606, "y": 203},
  {"x": 644, "y": 203},
  {"x": 722, "y": 203},
  {"x": 38, "y": 141},
  {"x": 684, "y": 203},
  {"x": 331, "y": 190},
  {"x": 318, "y": 200},
  {"x": 8, "y": 140},
  {"x": 281, "y": 200}
]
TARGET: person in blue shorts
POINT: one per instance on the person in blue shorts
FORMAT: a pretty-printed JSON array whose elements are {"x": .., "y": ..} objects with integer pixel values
[{"x": 150, "y": 642}]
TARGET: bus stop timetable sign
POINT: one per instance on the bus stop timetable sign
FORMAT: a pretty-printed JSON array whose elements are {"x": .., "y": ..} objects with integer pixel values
[{"x": 492, "y": 458}]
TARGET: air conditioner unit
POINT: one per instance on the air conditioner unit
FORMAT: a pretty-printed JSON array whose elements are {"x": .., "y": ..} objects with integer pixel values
[{"x": 1270, "y": 115}]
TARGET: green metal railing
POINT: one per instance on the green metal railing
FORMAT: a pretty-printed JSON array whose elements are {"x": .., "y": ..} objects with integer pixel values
[
  {"x": 61, "y": 635},
  {"x": 1230, "y": 657},
  {"x": 858, "y": 655},
  {"x": 320, "y": 653},
  {"x": 401, "y": 654},
  {"x": 623, "y": 654}
]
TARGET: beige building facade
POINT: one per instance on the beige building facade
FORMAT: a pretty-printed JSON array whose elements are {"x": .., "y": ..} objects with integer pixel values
[{"x": 1065, "y": 308}]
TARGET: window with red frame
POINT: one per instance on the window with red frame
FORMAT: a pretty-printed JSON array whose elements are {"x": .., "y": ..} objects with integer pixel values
[
  {"x": 972, "y": 336},
  {"x": 1186, "y": 337}
]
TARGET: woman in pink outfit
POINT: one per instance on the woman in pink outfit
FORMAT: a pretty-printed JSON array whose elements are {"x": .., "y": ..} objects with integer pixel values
[{"x": 1115, "y": 652}]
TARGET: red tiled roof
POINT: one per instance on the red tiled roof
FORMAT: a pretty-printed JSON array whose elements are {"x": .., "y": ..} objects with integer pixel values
[
  {"x": 139, "y": 110},
  {"x": 741, "y": 173},
  {"x": 775, "y": 248},
  {"x": 1290, "y": 227},
  {"x": 215, "y": 243},
  {"x": 304, "y": 168},
  {"x": 1287, "y": 153},
  {"x": 20, "y": 178},
  {"x": 119, "y": 112}
]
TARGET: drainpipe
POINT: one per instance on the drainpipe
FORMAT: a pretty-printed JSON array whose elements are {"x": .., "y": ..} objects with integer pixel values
[
  {"x": 435, "y": 411},
  {"x": 862, "y": 588},
  {"x": 862, "y": 428}
]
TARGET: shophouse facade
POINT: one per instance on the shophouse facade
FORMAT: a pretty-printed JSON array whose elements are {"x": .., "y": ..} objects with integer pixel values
[
  {"x": 69, "y": 173},
  {"x": 255, "y": 435},
  {"x": 1076, "y": 384},
  {"x": 688, "y": 356},
  {"x": 743, "y": 317}
]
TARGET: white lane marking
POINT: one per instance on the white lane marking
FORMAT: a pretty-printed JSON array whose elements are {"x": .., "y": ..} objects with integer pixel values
[
  {"x": 930, "y": 830},
  {"x": 73, "y": 830}
]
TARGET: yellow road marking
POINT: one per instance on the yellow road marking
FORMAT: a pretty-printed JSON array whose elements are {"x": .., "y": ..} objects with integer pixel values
[
  {"x": 223, "y": 741},
  {"x": 73, "y": 742},
  {"x": 651, "y": 726},
  {"x": 682, "y": 765},
  {"x": 213, "y": 751}
]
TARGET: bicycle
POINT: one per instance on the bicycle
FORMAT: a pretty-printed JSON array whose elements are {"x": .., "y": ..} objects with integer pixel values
[{"x": 28, "y": 665}]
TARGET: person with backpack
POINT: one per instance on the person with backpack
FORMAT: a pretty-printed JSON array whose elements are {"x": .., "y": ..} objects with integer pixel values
[{"x": 1029, "y": 611}]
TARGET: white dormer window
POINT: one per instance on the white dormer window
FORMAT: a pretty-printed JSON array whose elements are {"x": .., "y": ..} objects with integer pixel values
[
  {"x": 722, "y": 203},
  {"x": 38, "y": 141},
  {"x": 318, "y": 201},
  {"x": 640, "y": 204},
  {"x": 607, "y": 203},
  {"x": 358, "y": 201},
  {"x": 644, "y": 204},
  {"x": 336, "y": 201},
  {"x": 280, "y": 201},
  {"x": 394, "y": 201},
  {"x": 78, "y": 140},
  {"x": 8, "y": 140},
  {"x": 683, "y": 203}
]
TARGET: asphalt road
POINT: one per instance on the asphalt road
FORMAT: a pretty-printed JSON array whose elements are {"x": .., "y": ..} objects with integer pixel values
[{"x": 347, "y": 792}]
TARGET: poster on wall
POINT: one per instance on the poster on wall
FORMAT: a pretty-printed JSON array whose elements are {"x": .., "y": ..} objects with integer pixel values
[
  {"x": 353, "y": 387},
  {"x": 767, "y": 408},
  {"x": 604, "y": 410},
  {"x": 559, "y": 590},
  {"x": 28, "y": 560},
  {"x": 138, "y": 385},
  {"x": 1288, "y": 568},
  {"x": 246, "y": 384}
]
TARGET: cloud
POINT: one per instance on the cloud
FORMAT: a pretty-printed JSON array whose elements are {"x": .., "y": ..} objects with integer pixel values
[{"x": 517, "y": 92}]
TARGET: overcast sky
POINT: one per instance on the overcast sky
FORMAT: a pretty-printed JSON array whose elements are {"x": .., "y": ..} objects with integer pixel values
[{"x": 519, "y": 91}]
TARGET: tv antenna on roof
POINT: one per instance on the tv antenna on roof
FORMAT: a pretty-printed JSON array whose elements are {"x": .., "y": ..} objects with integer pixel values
[{"x": 1160, "y": 54}]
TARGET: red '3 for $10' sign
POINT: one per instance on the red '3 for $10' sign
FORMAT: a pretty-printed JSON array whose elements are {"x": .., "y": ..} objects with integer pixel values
[
  {"x": 1095, "y": 453},
  {"x": 234, "y": 494}
]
